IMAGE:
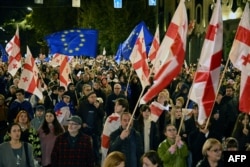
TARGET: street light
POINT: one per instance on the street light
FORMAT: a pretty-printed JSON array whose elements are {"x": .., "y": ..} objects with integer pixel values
[{"x": 29, "y": 9}]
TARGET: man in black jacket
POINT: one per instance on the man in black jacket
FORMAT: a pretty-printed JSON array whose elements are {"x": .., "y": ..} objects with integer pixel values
[{"x": 128, "y": 141}]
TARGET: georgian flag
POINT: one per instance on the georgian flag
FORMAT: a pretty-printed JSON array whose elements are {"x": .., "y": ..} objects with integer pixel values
[
  {"x": 172, "y": 50},
  {"x": 153, "y": 50},
  {"x": 156, "y": 110},
  {"x": 13, "y": 50},
  {"x": 240, "y": 57},
  {"x": 62, "y": 61},
  {"x": 112, "y": 123},
  {"x": 138, "y": 59},
  {"x": 206, "y": 80},
  {"x": 63, "y": 112},
  {"x": 29, "y": 80}
]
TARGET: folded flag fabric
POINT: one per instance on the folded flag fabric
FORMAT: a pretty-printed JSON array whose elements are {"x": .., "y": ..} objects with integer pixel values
[
  {"x": 63, "y": 112},
  {"x": 112, "y": 123},
  {"x": 129, "y": 43},
  {"x": 156, "y": 110}
]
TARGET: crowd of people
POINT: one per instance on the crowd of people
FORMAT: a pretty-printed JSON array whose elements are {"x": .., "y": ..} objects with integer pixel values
[{"x": 97, "y": 120}]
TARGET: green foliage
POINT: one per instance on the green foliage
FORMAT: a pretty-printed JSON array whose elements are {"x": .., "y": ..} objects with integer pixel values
[{"x": 114, "y": 25}]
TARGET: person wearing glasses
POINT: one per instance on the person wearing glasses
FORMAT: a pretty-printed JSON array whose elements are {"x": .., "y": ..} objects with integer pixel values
[
  {"x": 73, "y": 148},
  {"x": 110, "y": 103},
  {"x": 173, "y": 151},
  {"x": 212, "y": 153}
]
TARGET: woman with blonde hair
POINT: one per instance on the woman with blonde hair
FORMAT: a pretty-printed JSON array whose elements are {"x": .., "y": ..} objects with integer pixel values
[
  {"x": 175, "y": 119},
  {"x": 212, "y": 153},
  {"x": 115, "y": 159}
]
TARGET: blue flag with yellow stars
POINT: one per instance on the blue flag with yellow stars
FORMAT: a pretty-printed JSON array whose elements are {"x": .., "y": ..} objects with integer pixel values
[
  {"x": 118, "y": 55},
  {"x": 4, "y": 54},
  {"x": 129, "y": 43},
  {"x": 75, "y": 42}
]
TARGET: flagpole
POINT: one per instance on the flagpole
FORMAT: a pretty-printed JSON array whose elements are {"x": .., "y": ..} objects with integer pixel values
[
  {"x": 182, "y": 120},
  {"x": 129, "y": 79},
  {"x": 44, "y": 83},
  {"x": 135, "y": 108},
  {"x": 220, "y": 83}
]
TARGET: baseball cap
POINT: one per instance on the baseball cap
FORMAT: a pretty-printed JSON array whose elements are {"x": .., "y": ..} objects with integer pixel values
[
  {"x": 75, "y": 119},
  {"x": 40, "y": 108}
]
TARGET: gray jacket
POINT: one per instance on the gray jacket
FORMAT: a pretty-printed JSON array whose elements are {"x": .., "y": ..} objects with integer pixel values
[{"x": 9, "y": 159}]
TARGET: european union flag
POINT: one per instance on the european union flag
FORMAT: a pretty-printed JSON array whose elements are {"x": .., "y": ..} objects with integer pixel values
[
  {"x": 4, "y": 54},
  {"x": 129, "y": 43},
  {"x": 75, "y": 42},
  {"x": 118, "y": 55}
]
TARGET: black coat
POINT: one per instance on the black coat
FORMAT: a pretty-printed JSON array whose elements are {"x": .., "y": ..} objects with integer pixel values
[
  {"x": 153, "y": 133},
  {"x": 132, "y": 145}
]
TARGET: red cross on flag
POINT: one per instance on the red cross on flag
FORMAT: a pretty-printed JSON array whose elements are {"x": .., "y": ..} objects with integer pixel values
[
  {"x": 64, "y": 72},
  {"x": 112, "y": 123},
  {"x": 13, "y": 50},
  {"x": 138, "y": 59},
  {"x": 207, "y": 76},
  {"x": 154, "y": 48},
  {"x": 63, "y": 62},
  {"x": 29, "y": 80},
  {"x": 172, "y": 51},
  {"x": 240, "y": 57}
]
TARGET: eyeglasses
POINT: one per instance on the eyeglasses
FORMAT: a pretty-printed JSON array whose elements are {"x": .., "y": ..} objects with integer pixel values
[{"x": 171, "y": 130}]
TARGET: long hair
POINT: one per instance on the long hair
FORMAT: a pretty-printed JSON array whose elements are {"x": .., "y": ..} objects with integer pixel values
[
  {"x": 238, "y": 124},
  {"x": 57, "y": 126}
]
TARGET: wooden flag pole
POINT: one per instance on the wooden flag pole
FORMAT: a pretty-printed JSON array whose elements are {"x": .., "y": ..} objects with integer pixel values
[{"x": 132, "y": 116}]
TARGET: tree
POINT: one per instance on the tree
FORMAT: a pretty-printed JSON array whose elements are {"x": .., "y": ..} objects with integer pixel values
[{"x": 114, "y": 25}]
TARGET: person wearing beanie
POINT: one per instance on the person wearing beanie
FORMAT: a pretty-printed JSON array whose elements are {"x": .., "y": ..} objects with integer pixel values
[{"x": 37, "y": 121}]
